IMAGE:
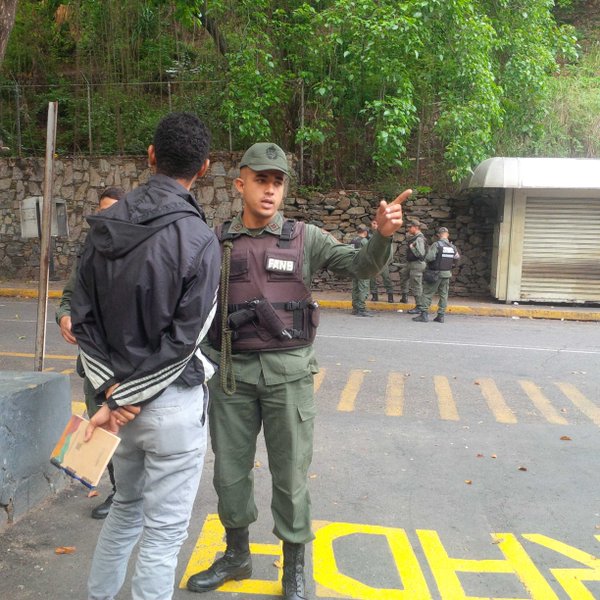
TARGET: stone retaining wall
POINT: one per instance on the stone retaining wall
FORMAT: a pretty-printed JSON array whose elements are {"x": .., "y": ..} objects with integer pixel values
[{"x": 79, "y": 182}]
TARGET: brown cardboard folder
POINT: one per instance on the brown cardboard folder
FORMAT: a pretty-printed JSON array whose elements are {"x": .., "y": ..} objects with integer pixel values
[{"x": 84, "y": 461}]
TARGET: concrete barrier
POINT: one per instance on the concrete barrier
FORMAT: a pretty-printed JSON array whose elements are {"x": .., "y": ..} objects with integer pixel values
[{"x": 34, "y": 409}]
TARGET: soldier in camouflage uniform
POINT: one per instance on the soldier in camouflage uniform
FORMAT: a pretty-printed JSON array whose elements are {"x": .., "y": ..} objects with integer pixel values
[
  {"x": 360, "y": 287},
  {"x": 265, "y": 256},
  {"x": 411, "y": 274},
  {"x": 440, "y": 258}
]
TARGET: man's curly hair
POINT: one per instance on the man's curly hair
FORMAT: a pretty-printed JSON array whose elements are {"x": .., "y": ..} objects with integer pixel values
[{"x": 181, "y": 145}]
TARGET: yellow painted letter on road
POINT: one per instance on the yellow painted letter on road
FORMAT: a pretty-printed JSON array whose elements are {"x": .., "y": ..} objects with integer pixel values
[
  {"x": 516, "y": 562},
  {"x": 208, "y": 546},
  {"x": 331, "y": 583},
  {"x": 571, "y": 579}
]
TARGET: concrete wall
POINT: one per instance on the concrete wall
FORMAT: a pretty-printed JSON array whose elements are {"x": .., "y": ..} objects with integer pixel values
[
  {"x": 79, "y": 181},
  {"x": 34, "y": 409}
]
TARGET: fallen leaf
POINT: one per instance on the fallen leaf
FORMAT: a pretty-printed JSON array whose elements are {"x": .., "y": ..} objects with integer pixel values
[
  {"x": 92, "y": 493},
  {"x": 480, "y": 456},
  {"x": 65, "y": 550},
  {"x": 257, "y": 463},
  {"x": 522, "y": 468},
  {"x": 468, "y": 481},
  {"x": 313, "y": 476},
  {"x": 277, "y": 563},
  {"x": 494, "y": 456},
  {"x": 476, "y": 382},
  {"x": 565, "y": 438}
]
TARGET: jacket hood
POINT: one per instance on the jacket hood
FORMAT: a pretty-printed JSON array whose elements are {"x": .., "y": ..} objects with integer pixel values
[{"x": 149, "y": 208}]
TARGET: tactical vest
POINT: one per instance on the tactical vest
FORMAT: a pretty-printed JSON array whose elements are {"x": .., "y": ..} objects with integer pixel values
[
  {"x": 410, "y": 255},
  {"x": 444, "y": 260},
  {"x": 269, "y": 306}
]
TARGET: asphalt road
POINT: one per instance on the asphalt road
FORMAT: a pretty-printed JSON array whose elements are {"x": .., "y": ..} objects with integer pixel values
[{"x": 453, "y": 460}]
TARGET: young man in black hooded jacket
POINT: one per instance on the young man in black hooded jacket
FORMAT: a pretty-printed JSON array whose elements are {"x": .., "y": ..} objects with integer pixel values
[{"x": 144, "y": 299}]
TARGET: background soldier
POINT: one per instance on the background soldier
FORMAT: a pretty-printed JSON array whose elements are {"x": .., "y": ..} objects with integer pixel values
[
  {"x": 63, "y": 317},
  {"x": 264, "y": 346},
  {"x": 411, "y": 274},
  {"x": 360, "y": 287},
  {"x": 440, "y": 258},
  {"x": 385, "y": 276}
]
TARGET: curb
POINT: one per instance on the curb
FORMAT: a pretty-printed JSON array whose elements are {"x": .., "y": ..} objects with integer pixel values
[
  {"x": 27, "y": 293},
  {"x": 482, "y": 311}
]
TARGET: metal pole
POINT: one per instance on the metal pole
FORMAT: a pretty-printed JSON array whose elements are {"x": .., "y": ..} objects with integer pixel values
[
  {"x": 169, "y": 93},
  {"x": 301, "y": 166},
  {"x": 18, "y": 119},
  {"x": 89, "y": 111},
  {"x": 40, "y": 335}
]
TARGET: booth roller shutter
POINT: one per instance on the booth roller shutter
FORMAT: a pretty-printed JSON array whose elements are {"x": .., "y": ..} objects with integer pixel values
[{"x": 561, "y": 250}]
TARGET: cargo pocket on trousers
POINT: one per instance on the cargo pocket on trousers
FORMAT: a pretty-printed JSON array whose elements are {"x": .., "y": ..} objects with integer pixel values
[{"x": 307, "y": 411}]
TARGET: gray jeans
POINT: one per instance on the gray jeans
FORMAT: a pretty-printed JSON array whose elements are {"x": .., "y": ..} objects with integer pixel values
[{"x": 158, "y": 465}]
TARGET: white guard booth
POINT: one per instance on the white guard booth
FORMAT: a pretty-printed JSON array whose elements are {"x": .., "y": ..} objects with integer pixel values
[{"x": 547, "y": 234}]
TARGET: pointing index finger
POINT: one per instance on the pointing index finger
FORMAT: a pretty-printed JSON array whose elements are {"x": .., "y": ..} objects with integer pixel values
[{"x": 403, "y": 197}]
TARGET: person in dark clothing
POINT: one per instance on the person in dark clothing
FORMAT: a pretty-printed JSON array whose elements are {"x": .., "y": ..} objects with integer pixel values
[
  {"x": 145, "y": 297},
  {"x": 63, "y": 318}
]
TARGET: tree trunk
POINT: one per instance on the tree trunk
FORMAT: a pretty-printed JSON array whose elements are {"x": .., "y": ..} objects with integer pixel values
[{"x": 8, "y": 9}]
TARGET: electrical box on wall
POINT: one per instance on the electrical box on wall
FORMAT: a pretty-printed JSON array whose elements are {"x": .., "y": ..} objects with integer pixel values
[{"x": 31, "y": 217}]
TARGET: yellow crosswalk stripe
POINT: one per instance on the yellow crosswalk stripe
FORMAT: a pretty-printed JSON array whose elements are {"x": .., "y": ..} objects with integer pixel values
[
  {"x": 394, "y": 395},
  {"x": 350, "y": 391},
  {"x": 501, "y": 411},
  {"x": 541, "y": 402},
  {"x": 446, "y": 402},
  {"x": 318, "y": 379},
  {"x": 589, "y": 409}
]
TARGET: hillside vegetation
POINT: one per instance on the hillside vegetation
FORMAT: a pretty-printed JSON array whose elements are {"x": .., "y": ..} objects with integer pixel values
[{"x": 361, "y": 91}]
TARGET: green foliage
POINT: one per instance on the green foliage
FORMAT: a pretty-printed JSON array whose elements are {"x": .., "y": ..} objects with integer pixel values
[{"x": 353, "y": 84}]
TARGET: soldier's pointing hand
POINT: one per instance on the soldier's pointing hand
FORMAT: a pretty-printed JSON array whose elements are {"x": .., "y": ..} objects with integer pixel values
[{"x": 389, "y": 216}]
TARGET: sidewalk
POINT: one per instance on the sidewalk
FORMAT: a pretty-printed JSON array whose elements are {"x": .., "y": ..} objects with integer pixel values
[{"x": 457, "y": 305}]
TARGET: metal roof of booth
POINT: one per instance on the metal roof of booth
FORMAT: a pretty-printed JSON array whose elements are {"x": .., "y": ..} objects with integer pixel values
[{"x": 548, "y": 173}]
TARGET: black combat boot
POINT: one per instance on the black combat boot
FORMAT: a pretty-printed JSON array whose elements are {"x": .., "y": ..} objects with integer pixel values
[
  {"x": 293, "y": 572},
  {"x": 404, "y": 299},
  {"x": 375, "y": 296},
  {"x": 422, "y": 318},
  {"x": 414, "y": 311},
  {"x": 390, "y": 297},
  {"x": 439, "y": 319},
  {"x": 236, "y": 564}
]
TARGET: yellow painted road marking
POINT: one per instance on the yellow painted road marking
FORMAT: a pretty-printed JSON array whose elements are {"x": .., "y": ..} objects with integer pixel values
[
  {"x": 588, "y": 408},
  {"x": 446, "y": 402},
  {"x": 318, "y": 379},
  {"x": 67, "y": 371},
  {"x": 542, "y": 403},
  {"x": 349, "y": 393},
  {"x": 46, "y": 356},
  {"x": 211, "y": 543},
  {"x": 394, "y": 395},
  {"x": 331, "y": 582},
  {"x": 495, "y": 401},
  {"x": 516, "y": 561},
  {"x": 571, "y": 579},
  {"x": 49, "y": 369}
]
